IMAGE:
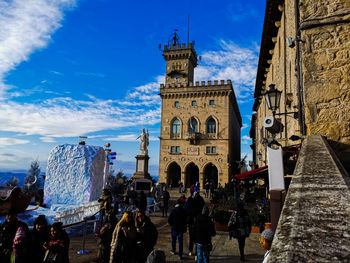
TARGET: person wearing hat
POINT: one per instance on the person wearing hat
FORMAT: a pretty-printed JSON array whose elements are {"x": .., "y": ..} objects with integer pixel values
[
  {"x": 20, "y": 248},
  {"x": 177, "y": 221},
  {"x": 39, "y": 236},
  {"x": 8, "y": 231},
  {"x": 266, "y": 241},
  {"x": 104, "y": 200}
]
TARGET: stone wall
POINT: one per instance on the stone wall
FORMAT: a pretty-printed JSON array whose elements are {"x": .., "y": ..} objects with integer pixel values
[
  {"x": 315, "y": 222},
  {"x": 281, "y": 72},
  {"x": 325, "y": 31}
]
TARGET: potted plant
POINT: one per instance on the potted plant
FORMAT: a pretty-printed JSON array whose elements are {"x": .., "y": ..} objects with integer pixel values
[
  {"x": 254, "y": 218},
  {"x": 221, "y": 218}
]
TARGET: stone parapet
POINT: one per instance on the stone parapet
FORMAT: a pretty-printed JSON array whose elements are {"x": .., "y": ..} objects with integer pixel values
[{"x": 315, "y": 222}]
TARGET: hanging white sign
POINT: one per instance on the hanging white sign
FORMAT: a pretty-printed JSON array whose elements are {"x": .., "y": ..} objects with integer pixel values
[{"x": 275, "y": 168}]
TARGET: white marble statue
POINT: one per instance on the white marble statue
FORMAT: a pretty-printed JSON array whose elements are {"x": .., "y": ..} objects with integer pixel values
[{"x": 144, "y": 141}]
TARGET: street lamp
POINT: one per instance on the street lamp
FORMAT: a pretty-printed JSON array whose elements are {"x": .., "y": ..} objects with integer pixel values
[{"x": 273, "y": 97}]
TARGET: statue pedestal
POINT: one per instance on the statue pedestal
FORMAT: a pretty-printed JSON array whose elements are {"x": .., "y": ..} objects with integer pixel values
[{"x": 141, "y": 167}]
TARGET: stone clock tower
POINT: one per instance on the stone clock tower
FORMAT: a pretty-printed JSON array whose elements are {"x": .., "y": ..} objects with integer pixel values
[
  {"x": 200, "y": 123},
  {"x": 180, "y": 63}
]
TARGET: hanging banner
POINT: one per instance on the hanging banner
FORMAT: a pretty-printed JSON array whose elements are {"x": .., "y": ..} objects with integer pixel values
[{"x": 275, "y": 168}]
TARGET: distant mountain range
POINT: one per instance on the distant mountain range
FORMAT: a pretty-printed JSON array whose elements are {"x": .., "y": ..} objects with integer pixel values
[{"x": 7, "y": 176}]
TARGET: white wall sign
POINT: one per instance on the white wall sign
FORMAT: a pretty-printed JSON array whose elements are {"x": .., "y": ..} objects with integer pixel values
[{"x": 275, "y": 168}]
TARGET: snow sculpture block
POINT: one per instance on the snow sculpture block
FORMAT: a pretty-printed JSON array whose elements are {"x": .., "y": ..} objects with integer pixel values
[{"x": 74, "y": 174}]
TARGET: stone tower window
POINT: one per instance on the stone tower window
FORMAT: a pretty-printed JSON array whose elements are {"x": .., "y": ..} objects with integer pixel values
[
  {"x": 193, "y": 125},
  {"x": 211, "y": 102},
  {"x": 177, "y": 104},
  {"x": 211, "y": 126},
  {"x": 194, "y": 103},
  {"x": 175, "y": 127}
]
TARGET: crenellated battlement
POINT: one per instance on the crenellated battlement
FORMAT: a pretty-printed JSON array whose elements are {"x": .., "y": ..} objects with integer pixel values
[
  {"x": 178, "y": 46},
  {"x": 199, "y": 84}
]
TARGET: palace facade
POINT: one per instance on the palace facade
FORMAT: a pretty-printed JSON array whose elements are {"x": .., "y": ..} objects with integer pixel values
[{"x": 200, "y": 123}]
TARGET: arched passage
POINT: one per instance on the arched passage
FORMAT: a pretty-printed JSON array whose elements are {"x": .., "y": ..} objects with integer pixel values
[
  {"x": 174, "y": 175},
  {"x": 211, "y": 174},
  {"x": 192, "y": 174}
]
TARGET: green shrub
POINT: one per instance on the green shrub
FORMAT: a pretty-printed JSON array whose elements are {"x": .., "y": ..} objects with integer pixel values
[{"x": 221, "y": 216}]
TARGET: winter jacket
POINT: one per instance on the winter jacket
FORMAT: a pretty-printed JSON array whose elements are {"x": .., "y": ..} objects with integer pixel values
[
  {"x": 7, "y": 234},
  {"x": 60, "y": 245},
  {"x": 203, "y": 230},
  {"x": 123, "y": 243},
  {"x": 147, "y": 236},
  {"x": 104, "y": 199},
  {"x": 178, "y": 218},
  {"x": 38, "y": 239},
  {"x": 239, "y": 224}
]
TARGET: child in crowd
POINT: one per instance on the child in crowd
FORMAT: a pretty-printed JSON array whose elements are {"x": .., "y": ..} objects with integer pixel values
[
  {"x": 266, "y": 241},
  {"x": 20, "y": 246}
]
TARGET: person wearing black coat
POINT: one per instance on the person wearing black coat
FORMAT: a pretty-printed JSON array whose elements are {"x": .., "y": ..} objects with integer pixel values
[
  {"x": 58, "y": 246},
  {"x": 204, "y": 230},
  {"x": 164, "y": 201},
  {"x": 240, "y": 227},
  {"x": 8, "y": 231},
  {"x": 146, "y": 236},
  {"x": 142, "y": 202},
  {"x": 177, "y": 221},
  {"x": 39, "y": 236}
]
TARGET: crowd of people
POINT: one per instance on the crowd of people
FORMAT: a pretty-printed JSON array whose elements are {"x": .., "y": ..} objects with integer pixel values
[
  {"x": 131, "y": 239},
  {"x": 43, "y": 243}
]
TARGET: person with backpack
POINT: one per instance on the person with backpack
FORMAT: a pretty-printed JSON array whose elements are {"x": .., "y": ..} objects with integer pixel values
[
  {"x": 177, "y": 221},
  {"x": 204, "y": 230},
  {"x": 240, "y": 227}
]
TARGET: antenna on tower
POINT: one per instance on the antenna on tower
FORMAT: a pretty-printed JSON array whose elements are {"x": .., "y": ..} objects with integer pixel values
[{"x": 188, "y": 28}]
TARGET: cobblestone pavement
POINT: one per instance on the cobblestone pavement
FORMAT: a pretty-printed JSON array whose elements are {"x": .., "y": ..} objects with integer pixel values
[{"x": 224, "y": 250}]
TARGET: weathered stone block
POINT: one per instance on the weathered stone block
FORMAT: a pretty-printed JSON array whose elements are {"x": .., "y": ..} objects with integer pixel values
[{"x": 74, "y": 174}]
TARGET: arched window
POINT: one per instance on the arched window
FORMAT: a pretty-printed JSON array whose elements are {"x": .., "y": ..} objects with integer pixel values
[
  {"x": 211, "y": 126},
  {"x": 175, "y": 127},
  {"x": 193, "y": 125}
]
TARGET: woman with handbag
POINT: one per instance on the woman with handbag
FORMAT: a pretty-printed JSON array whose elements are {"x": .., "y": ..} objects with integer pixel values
[
  {"x": 240, "y": 227},
  {"x": 58, "y": 246}
]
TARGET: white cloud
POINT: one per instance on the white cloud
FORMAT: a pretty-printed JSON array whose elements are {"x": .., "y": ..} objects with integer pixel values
[
  {"x": 128, "y": 138},
  {"x": 244, "y": 125},
  {"x": 26, "y": 26},
  {"x": 246, "y": 140},
  {"x": 4, "y": 141},
  {"x": 65, "y": 117},
  {"x": 124, "y": 138},
  {"x": 230, "y": 62},
  {"x": 47, "y": 139},
  {"x": 56, "y": 72}
]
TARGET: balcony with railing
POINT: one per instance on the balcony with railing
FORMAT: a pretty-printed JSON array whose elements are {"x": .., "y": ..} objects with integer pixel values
[{"x": 193, "y": 137}]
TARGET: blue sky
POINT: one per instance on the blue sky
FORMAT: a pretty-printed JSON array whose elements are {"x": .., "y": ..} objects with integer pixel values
[{"x": 92, "y": 67}]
